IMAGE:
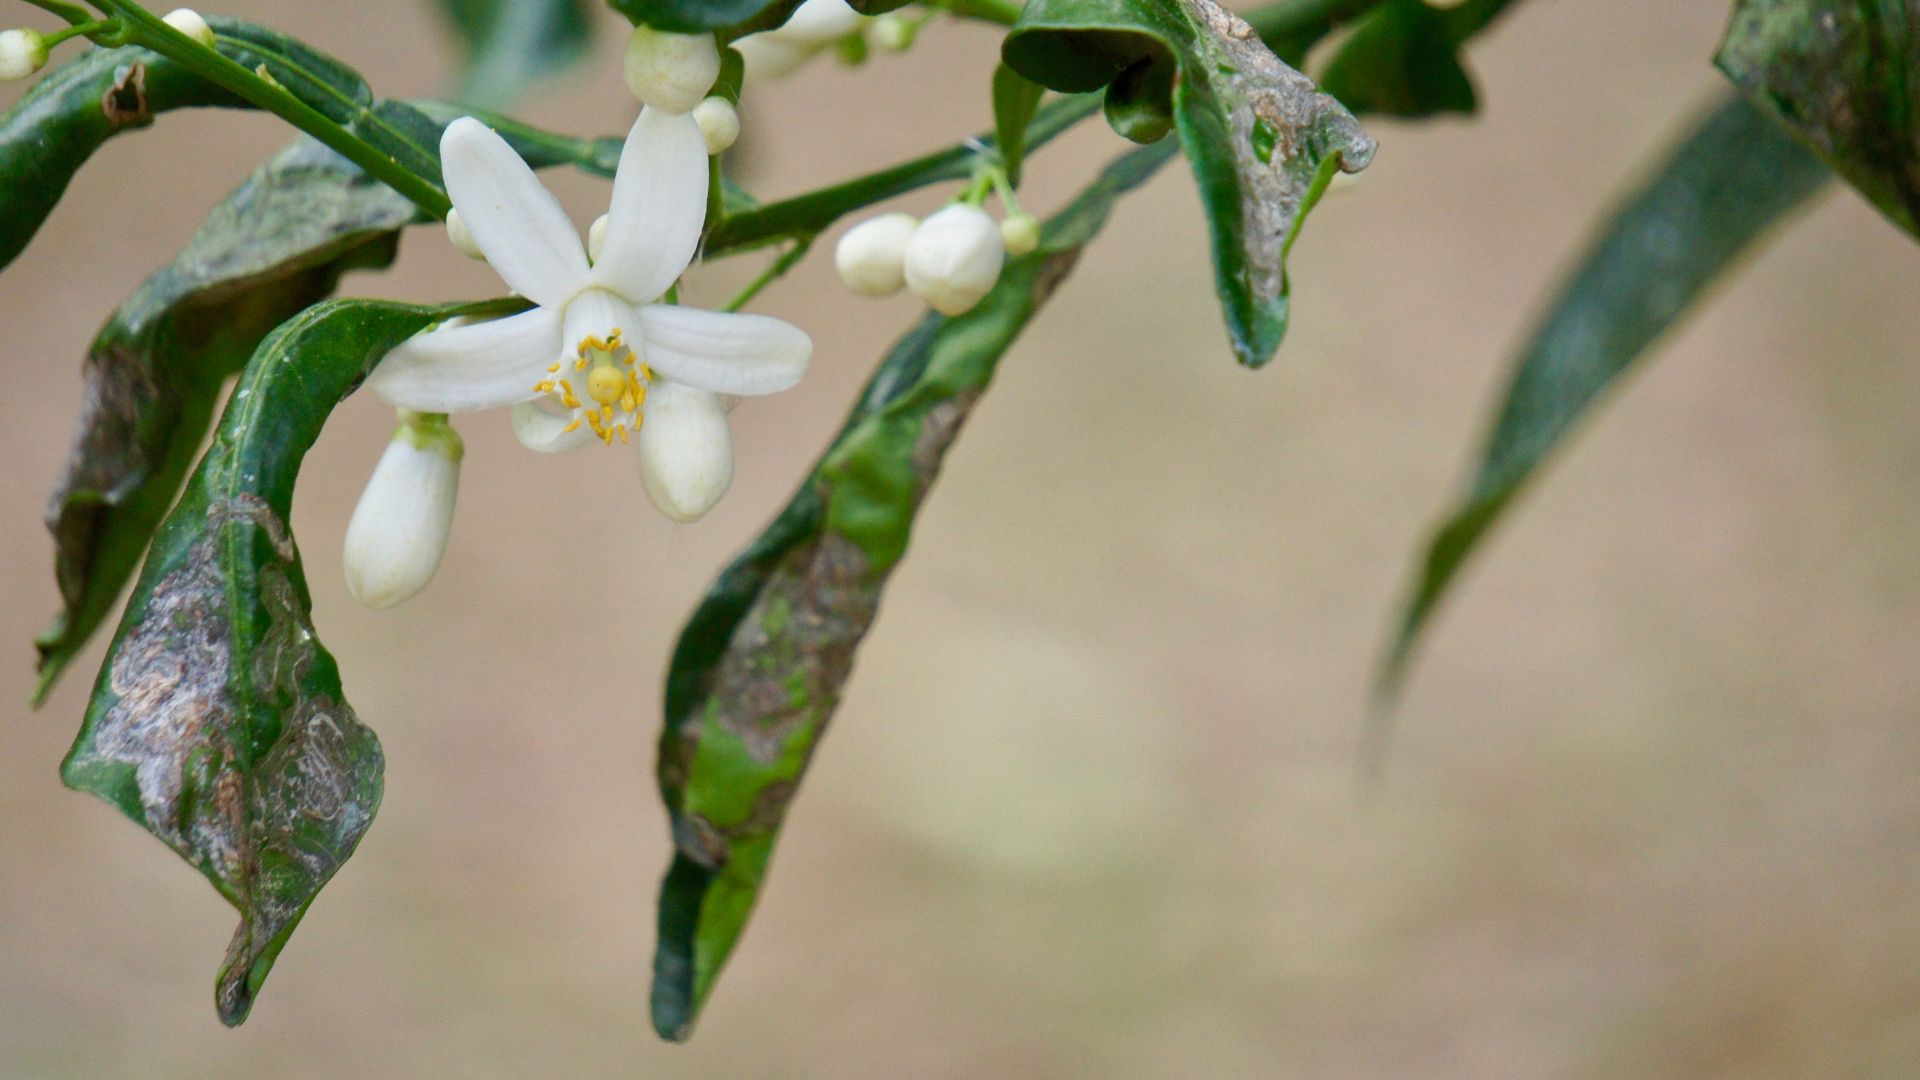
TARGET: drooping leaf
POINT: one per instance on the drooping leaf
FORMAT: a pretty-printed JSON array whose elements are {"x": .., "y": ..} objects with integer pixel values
[
  {"x": 732, "y": 18},
  {"x": 1402, "y": 60},
  {"x": 513, "y": 44},
  {"x": 760, "y": 666},
  {"x": 1733, "y": 176},
  {"x": 273, "y": 247},
  {"x": 217, "y": 722},
  {"x": 1845, "y": 75},
  {"x": 1257, "y": 133},
  {"x": 1015, "y": 99},
  {"x": 57, "y": 125}
]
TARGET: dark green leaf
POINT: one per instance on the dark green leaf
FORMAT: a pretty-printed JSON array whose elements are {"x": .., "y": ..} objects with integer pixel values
[
  {"x": 52, "y": 130},
  {"x": 1015, "y": 100},
  {"x": 1139, "y": 101},
  {"x": 1844, "y": 75},
  {"x": 733, "y": 18},
  {"x": 1710, "y": 201},
  {"x": 269, "y": 250},
  {"x": 1258, "y": 135},
  {"x": 1402, "y": 60},
  {"x": 760, "y": 665},
  {"x": 513, "y": 44},
  {"x": 218, "y": 722}
]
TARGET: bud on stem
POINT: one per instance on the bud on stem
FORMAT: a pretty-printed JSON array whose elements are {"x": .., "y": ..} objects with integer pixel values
[{"x": 399, "y": 531}]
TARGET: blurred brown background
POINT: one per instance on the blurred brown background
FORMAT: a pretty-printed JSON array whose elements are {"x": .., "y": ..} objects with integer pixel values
[{"x": 1089, "y": 810}]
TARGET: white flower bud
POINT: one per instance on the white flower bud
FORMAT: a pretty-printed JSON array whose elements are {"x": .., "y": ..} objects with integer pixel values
[
  {"x": 596, "y": 237},
  {"x": 671, "y": 72},
  {"x": 399, "y": 530},
  {"x": 718, "y": 122},
  {"x": 189, "y": 22},
  {"x": 891, "y": 32},
  {"x": 1019, "y": 233},
  {"x": 462, "y": 237},
  {"x": 954, "y": 258},
  {"x": 821, "y": 22},
  {"x": 686, "y": 452},
  {"x": 22, "y": 52},
  {"x": 871, "y": 257}
]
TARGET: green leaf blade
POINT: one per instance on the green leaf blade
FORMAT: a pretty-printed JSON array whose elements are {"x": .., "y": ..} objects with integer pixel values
[
  {"x": 1402, "y": 60},
  {"x": 1717, "y": 193},
  {"x": 272, "y": 248},
  {"x": 218, "y": 722},
  {"x": 762, "y": 662},
  {"x": 1844, "y": 75},
  {"x": 512, "y": 45},
  {"x": 1015, "y": 100}
]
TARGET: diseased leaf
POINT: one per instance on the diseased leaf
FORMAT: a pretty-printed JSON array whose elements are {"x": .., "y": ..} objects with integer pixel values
[
  {"x": 1716, "y": 194},
  {"x": 1015, "y": 99},
  {"x": 513, "y": 44},
  {"x": 273, "y": 247},
  {"x": 57, "y": 125},
  {"x": 217, "y": 722},
  {"x": 760, "y": 666},
  {"x": 1258, "y": 135},
  {"x": 1844, "y": 75},
  {"x": 1402, "y": 60}
]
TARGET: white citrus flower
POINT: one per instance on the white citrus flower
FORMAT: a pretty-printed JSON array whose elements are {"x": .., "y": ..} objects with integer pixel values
[
  {"x": 22, "y": 52},
  {"x": 954, "y": 258},
  {"x": 871, "y": 257},
  {"x": 399, "y": 530},
  {"x": 813, "y": 28},
  {"x": 592, "y": 358}
]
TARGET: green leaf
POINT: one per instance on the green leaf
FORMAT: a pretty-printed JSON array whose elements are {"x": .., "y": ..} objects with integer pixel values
[
  {"x": 217, "y": 722},
  {"x": 1015, "y": 100},
  {"x": 732, "y": 18},
  {"x": 57, "y": 125},
  {"x": 1258, "y": 135},
  {"x": 513, "y": 44},
  {"x": 1720, "y": 188},
  {"x": 1845, "y": 76},
  {"x": 273, "y": 247},
  {"x": 760, "y": 665},
  {"x": 1402, "y": 60}
]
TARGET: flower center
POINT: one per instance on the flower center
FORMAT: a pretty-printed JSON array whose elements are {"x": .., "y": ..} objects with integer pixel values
[{"x": 613, "y": 381}]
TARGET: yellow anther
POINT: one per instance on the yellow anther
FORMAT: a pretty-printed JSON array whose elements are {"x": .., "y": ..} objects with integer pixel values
[
  {"x": 571, "y": 428},
  {"x": 627, "y": 403},
  {"x": 623, "y": 437},
  {"x": 553, "y": 368},
  {"x": 544, "y": 386},
  {"x": 580, "y": 364}
]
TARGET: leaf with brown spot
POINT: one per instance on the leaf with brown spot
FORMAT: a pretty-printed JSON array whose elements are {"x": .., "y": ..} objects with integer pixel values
[
  {"x": 218, "y": 722},
  {"x": 761, "y": 664}
]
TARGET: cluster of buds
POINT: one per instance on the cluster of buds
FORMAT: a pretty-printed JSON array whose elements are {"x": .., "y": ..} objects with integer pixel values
[
  {"x": 818, "y": 26},
  {"x": 951, "y": 260},
  {"x": 24, "y": 51}
]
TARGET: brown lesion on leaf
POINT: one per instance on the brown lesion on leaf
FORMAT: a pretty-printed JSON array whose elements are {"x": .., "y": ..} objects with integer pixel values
[
  {"x": 125, "y": 102},
  {"x": 1268, "y": 102}
]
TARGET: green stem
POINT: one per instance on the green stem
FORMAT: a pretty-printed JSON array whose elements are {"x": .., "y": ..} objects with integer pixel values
[
  {"x": 147, "y": 29},
  {"x": 86, "y": 29},
  {"x": 73, "y": 13},
  {"x": 774, "y": 272}
]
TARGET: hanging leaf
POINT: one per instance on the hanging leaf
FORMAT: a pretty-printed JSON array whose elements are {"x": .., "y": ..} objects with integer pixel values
[
  {"x": 1846, "y": 77},
  {"x": 57, "y": 125},
  {"x": 1716, "y": 194},
  {"x": 732, "y": 18},
  {"x": 1402, "y": 60},
  {"x": 513, "y": 44},
  {"x": 1015, "y": 100},
  {"x": 760, "y": 666},
  {"x": 217, "y": 722},
  {"x": 273, "y": 247},
  {"x": 1261, "y": 140}
]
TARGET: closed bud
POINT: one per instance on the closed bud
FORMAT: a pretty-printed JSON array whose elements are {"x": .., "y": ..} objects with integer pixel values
[
  {"x": 718, "y": 122},
  {"x": 462, "y": 237},
  {"x": 872, "y": 256},
  {"x": 954, "y": 258},
  {"x": 1019, "y": 233},
  {"x": 189, "y": 22},
  {"x": 671, "y": 72},
  {"x": 22, "y": 52},
  {"x": 686, "y": 452},
  {"x": 399, "y": 531},
  {"x": 891, "y": 32}
]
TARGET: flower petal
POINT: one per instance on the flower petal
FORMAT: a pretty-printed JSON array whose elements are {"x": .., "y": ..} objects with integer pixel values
[
  {"x": 686, "y": 451},
  {"x": 516, "y": 221},
  {"x": 539, "y": 429},
  {"x": 480, "y": 366},
  {"x": 725, "y": 352},
  {"x": 659, "y": 204}
]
